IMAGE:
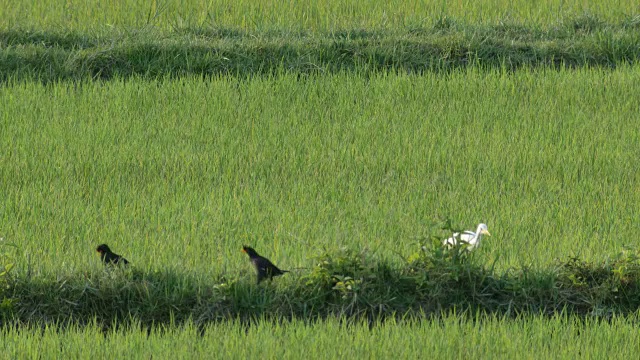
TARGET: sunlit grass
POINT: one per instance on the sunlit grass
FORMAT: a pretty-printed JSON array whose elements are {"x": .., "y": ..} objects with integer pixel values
[
  {"x": 317, "y": 15},
  {"x": 178, "y": 174},
  {"x": 453, "y": 337}
]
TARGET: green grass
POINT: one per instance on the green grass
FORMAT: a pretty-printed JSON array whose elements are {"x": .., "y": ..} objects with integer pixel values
[
  {"x": 444, "y": 45},
  {"x": 350, "y": 284},
  {"x": 316, "y": 15},
  {"x": 177, "y": 174},
  {"x": 452, "y": 337},
  {"x": 304, "y": 128}
]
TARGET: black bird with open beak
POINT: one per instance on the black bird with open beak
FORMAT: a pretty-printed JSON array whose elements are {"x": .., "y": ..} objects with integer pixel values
[
  {"x": 264, "y": 268},
  {"x": 110, "y": 258}
]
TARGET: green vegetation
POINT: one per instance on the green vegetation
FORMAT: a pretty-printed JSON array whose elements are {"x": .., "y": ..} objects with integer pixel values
[
  {"x": 344, "y": 284},
  {"x": 450, "y": 338},
  {"x": 334, "y": 137},
  {"x": 445, "y": 45},
  {"x": 6, "y": 295},
  {"x": 102, "y": 40},
  {"x": 297, "y": 15},
  {"x": 177, "y": 174}
]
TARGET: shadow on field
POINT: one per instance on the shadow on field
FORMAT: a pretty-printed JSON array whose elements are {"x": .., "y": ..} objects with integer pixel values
[
  {"x": 346, "y": 284},
  {"x": 53, "y": 56}
]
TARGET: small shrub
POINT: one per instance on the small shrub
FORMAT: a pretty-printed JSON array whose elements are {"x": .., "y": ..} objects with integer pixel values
[{"x": 6, "y": 301}]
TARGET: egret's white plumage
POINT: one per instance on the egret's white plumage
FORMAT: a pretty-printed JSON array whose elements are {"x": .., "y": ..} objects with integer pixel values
[{"x": 468, "y": 237}]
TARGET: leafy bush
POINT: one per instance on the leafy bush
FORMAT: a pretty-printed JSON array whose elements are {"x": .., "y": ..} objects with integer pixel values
[{"x": 6, "y": 302}]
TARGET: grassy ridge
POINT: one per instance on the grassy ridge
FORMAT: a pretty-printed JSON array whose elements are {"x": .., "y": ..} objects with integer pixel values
[
  {"x": 296, "y": 15},
  {"x": 55, "y": 55},
  {"x": 450, "y": 338},
  {"x": 346, "y": 284}
]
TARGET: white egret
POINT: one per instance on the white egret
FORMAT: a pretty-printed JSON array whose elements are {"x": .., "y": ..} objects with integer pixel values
[{"x": 468, "y": 237}]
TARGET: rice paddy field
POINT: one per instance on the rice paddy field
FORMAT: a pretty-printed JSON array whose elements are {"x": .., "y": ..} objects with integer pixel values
[
  {"x": 343, "y": 140},
  {"x": 451, "y": 338},
  {"x": 314, "y": 15}
]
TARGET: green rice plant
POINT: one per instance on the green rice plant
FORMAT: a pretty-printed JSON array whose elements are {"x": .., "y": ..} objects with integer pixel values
[
  {"x": 452, "y": 336},
  {"x": 177, "y": 174},
  {"x": 323, "y": 15},
  {"x": 367, "y": 120}
]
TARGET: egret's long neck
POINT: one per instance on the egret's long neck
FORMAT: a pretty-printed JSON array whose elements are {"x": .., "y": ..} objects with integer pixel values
[{"x": 476, "y": 238}]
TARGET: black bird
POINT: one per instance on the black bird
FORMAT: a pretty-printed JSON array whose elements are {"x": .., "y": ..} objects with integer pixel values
[
  {"x": 110, "y": 258},
  {"x": 264, "y": 268}
]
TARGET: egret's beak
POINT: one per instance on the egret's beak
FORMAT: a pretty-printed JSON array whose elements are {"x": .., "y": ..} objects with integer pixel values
[{"x": 486, "y": 232}]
